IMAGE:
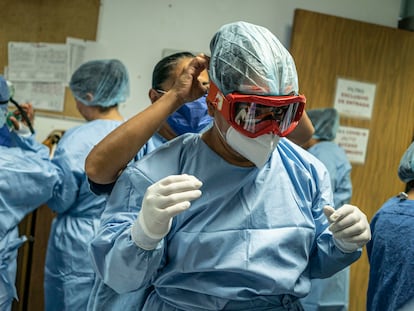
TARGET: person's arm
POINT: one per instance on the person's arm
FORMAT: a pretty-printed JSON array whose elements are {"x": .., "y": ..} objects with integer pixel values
[
  {"x": 303, "y": 131},
  {"x": 28, "y": 180},
  {"x": 111, "y": 155}
]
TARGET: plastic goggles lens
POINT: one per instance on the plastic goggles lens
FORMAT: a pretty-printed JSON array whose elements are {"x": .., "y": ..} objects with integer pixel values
[
  {"x": 255, "y": 115},
  {"x": 257, "y": 118}
]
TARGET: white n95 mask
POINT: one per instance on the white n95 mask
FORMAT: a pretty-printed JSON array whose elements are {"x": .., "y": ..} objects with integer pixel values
[{"x": 256, "y": 150}]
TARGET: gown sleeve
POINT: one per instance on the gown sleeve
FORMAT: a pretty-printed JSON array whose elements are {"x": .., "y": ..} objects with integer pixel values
[
  {"x": 119, "y": 262},
  {"x": 27, "y": 179}
]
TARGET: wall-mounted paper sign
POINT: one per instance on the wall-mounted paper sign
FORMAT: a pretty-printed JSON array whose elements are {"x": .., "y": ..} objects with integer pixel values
[
  {"x": 354, "y": 98},
  {"x": 354, "y": 141}
]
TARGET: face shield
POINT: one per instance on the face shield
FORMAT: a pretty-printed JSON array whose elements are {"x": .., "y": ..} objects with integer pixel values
[{"x": 255, "y": 115}]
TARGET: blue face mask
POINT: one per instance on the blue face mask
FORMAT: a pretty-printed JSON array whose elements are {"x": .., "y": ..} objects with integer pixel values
[{"x": 191, "y": 117}]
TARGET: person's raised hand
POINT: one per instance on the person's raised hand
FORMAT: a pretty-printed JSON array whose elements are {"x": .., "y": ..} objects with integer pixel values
[
  {"x": 187, "y": 86},
  {"x": 19, "y": 123}
]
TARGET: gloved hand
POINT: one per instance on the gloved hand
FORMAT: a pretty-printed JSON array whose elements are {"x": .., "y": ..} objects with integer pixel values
[
  {"x": 22, "y": 130},
  {"x": 162, "y": 201},
  {"x": 21, "y": 120},
  {"x": 349, "y": 226}
]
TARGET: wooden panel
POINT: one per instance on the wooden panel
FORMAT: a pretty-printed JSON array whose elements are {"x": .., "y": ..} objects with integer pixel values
[
  {"x": 327, "y": 47},
  {"x": 23, "y": 262},
  {"x": 42, "y": 21},
  {"x": 49, "y": 21},
  {"x": 31, "y": 260},
  {"x": 35, "y": 293}
]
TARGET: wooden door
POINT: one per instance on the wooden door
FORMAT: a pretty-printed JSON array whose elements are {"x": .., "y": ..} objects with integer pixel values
[{"x": 326, "y": 48}]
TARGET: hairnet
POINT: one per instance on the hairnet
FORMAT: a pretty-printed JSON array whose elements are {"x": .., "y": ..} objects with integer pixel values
[
  {"x": 106, "y": 80},
  {"x": 4, "y": 91},
  {"x": 325, "y": 121},
  {"x": 406, "y": 168},
  {"x": 249, "y": 59}
]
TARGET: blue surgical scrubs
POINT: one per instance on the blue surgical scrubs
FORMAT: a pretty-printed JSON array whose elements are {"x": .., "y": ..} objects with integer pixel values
[
  {"x": 252, "y": 241},
  {"x": 68, "y": 272},
  {"x": 25, "y": 173},
  {"x": 332, "y": 293},
  {"x": 391, "y": 256}
]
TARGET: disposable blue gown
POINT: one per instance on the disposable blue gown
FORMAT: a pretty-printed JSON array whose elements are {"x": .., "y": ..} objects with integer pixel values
[
  {"x": 332, "y": 293},
  {"x": 4, "y": 136},
  {"x": 391, "y": 256},
  {"x": 22, "y": 170},
  {"x": 102, "y": 296},
  {"x": 253, "y": 238},
  {"x": 69, "y": 274}
]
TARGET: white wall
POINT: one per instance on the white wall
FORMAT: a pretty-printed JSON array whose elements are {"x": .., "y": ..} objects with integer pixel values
[
  {"x": 137, "y": 31},
  {"x": 45, "y": 124}
]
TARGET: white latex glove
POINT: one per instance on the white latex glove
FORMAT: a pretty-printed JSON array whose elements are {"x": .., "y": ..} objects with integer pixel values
[
  {"x": 23, "y": 130},
  {"x": 162, "y": 201},
  {"x": 349, "y": 226}
]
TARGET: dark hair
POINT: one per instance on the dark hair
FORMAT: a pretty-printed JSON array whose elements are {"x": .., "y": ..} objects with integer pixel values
[
  {"x": 409, "y": 186},
  {"x": 165, "y": 66}
]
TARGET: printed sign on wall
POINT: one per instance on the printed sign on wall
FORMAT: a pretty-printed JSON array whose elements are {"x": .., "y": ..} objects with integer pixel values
[
  {"x": 354, "y": 141},
  {"x": 354, "y": 98}
]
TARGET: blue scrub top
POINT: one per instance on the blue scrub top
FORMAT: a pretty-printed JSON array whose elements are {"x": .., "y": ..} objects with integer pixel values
[
  {"x": 391, "y": 256},
  {"x": 253, "y": 236},
  {"x": 25, "y": 173},
  {"x": 69, "y": 275},
  {"x": 22, "y": 170}
]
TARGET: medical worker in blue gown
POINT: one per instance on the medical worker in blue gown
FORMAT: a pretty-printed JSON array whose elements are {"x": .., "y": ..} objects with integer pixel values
[
  {"x": 258, "y": 226},
  {"x": 331, "y": 293},
  {"x": 98, "y": 87},
  {"x": 110, "y": 156},
  {"x": 23, "y": 164},
  {"x": 391, "y": 251}
]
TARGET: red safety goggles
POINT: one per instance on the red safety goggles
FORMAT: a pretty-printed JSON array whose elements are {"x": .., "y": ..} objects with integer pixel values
[{"x": 255, "y": 115}]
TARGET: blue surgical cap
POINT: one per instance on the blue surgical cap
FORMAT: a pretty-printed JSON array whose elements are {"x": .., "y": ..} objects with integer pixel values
[
  {"x": 406, "y": 168},
  {"x": 106, "y": 80},
  {"x": 325, "y": 121},
  {"x": 249, "y": 59},
  {"x": 4, "y": 91}
]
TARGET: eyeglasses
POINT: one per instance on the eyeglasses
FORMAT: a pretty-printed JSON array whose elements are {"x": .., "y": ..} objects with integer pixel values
[
  {"x": 164, "y": 92},
  {"x": 160, "y": 91},
  {"x": 255, "y": 115}
]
